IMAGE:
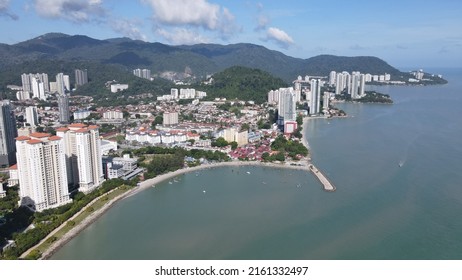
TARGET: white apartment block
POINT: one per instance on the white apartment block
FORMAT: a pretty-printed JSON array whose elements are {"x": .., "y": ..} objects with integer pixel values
[
  {"x": 32, "y": 116},
  {"x": 118, "y": 87},
  {"x": 42, "y": 171},
  {"x": 80, "y": 115},
  {"x": 113, "y": 115},
  {"x": 170, "y": 118},
  {"x": 83, "y": 155}
]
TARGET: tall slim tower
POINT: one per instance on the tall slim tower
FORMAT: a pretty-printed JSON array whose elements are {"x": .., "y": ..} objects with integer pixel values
[
  {"x": 60, "y": 86},
  {"x": 287, "y": 105},
  {"x": 63, "y": 106},
  {"x": 315, "y": 98},
  {"x": 42, "y": 171},
  {"x": 8, "y": 132},
  {"x": 354, "y": 86},
  {"x": 362, "y": 85},
  {"x": 32, "y": 116}
]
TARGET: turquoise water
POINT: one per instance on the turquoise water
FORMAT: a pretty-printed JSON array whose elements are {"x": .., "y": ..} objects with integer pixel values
[{"x": 379, "y": 211}]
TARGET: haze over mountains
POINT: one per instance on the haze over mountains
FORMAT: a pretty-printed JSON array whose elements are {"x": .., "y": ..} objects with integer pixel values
[{"x": 200, "y": 59}]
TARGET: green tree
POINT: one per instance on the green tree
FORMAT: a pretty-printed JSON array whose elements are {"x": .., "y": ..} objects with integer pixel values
[
  {"x": 220, "y": 142},
  {"x": 245, "y": 127},
  {"x": 158, "y": 120},
  {"x": 233, "y": 145}
]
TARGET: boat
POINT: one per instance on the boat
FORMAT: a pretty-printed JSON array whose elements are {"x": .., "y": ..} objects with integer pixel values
[
  {"x": 401, "y": 163},
  {"x": 170, "y": 182},
  {"x": 248, "y": 172}
]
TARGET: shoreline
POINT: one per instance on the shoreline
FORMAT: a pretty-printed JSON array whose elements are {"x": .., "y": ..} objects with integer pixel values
[
  {"x": 143, "y": 186},
  {"x": 303, "y": 165}
]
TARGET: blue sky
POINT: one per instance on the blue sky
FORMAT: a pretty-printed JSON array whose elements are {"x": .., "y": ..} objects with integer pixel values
[{"x": 406, "y": 33}]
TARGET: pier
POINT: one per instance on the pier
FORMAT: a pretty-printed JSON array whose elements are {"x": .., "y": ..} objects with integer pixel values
[{"x": 327, "y": 185}]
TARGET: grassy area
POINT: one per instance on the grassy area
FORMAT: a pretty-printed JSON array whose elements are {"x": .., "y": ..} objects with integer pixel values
[{"x": 96, "y": 205}]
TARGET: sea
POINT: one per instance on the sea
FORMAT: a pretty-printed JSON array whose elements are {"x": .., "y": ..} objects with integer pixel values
[{"x": 398, "y": 173}]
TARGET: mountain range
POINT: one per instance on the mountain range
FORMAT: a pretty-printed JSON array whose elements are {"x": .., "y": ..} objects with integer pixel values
[{"x": 199, "y": 59}]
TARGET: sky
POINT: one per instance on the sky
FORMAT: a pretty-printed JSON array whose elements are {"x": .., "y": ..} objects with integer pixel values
[{"x": 405, "y": 33}]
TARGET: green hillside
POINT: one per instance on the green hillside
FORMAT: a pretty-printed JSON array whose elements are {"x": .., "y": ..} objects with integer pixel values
[
  {"x": 243, "y": 83},
  {"x": 202, "y": 59}
]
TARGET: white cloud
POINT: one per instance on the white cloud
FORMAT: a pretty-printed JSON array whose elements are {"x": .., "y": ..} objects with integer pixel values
[
  {"x": 181, "y": 36},
  {"x": 74, "y": 10},
  {"x": 128, "y": 28},
  {"x": 4, "y": 10},
  {"x": 262, "y": 22},
  {"x": 279, "y": 36},
  {"x": 197, "y": 13}
]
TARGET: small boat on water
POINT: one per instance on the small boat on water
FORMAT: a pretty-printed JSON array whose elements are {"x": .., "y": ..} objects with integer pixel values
[
  {"x": 170, "y": 182},
  {"x": 248, "y": 172},
  {"x": 401, "y": 163}
]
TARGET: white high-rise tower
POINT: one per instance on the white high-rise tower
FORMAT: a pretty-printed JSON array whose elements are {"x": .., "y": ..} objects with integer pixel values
[
  {"x": 42, "y": 171},
  {"x": 83, "y": 155},
  {"x": 315, "y": 97}
]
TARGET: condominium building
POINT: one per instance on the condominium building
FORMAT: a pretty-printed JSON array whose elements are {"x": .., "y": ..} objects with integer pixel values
[
  {"x": 83, "y": 155},
  {"x": 170, "y": 118},
  {"x": 8, "y": 132},
  {"x": 32, "y": 116},
  {"x": 142, "y": 73},
  {"x": 62, "y": 83},
  {"x": 287, "y": 110},
  {"x": 42, "y": 171},
  {"x": 315, "y": 97},
  {"x": 81, "y": 77},
  {"x": 40, "y": 77},
  {"x": 63, "y": 107},
  {"x": 113, "y": 115}
]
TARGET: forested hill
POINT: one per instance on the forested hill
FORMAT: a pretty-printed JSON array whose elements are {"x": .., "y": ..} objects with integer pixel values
[
  {"x": 243, "y": 83},
  {"x": 200, "y": 59}
]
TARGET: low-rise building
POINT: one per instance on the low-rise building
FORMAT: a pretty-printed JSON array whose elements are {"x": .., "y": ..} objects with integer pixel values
[{"x": 118, "y": 87}]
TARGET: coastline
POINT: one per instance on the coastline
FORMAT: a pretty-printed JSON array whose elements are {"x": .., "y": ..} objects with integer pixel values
[
  {"x": 143, "y": 186},
  {"x": 300, "y": 165}
]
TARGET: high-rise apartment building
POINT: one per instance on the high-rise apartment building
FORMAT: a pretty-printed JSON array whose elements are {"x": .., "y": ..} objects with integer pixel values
[
  {"x": 81, "y": 77},
  {"x": 32, "y": 116},
  {"x": 315, "y": 96},
  {"x": 61, "y": 84},
  {"x": 170, "y": 118},
  {"x": 38, "y": 88},
  {"x": 63, "y": 107},
  {"x": 42, "y": 171},
  {"x": 40, "y": 77},
  {"x": 142, "y": 73},
  {"x": 287, "y": 110},
  {"x": 8, "y": 132},
  {"x": 83, "y": 155}
]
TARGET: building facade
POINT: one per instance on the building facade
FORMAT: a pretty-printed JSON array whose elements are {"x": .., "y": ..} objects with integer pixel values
[
  {"x": 315, "y": 97},
  {"x": 42, "y": 171},
  {"x": 32, "y": 116},
  {"x": 81, "y": 77},
  {"x": 83, "y": 155},
  {"x": 8, "y": 133},
  {"x": 63, "y": 107},
  {"x": 170, "y": 118}
]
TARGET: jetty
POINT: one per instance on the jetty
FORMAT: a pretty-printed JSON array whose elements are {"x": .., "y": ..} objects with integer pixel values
[{"x": 327, "y": 185}]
